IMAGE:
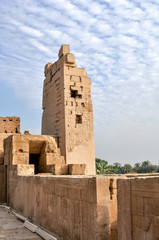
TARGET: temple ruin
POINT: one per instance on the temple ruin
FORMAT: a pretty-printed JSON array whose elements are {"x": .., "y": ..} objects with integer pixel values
[
  {"x": 67, "y": 109},
  {"x": 9, "y": 125},
  {"x": 50, "y": 179}
]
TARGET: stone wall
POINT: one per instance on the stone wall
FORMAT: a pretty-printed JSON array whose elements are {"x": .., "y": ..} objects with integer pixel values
[
  {"x": 3, "y": 184},
  {"x": 78, "y": 207},
  {"x": 74, "y": 207},
  {"x": 2, "y": 137},
  {"x": 138, "y": 208},
  {"x": 39, "y": 153},
  {"x": 67, "y": 109},
  {"x": 9, "y": 124}
]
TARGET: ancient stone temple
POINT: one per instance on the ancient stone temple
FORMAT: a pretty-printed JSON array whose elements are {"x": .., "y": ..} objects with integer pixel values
[{"x": 67, "y": 109}]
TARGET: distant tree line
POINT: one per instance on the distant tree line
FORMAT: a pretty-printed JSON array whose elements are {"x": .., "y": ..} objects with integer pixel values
[{"x": 102, "y": 167}]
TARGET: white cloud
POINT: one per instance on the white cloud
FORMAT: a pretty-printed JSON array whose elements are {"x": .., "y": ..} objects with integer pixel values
[
  {"x": 116, "y": 41},
  {"x": 39, "y": 46}
]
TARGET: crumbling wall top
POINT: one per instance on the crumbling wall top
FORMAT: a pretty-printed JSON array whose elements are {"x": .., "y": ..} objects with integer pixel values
[
  {"x": 10, "y": 124},
  {"x": 64, "y": 50}
]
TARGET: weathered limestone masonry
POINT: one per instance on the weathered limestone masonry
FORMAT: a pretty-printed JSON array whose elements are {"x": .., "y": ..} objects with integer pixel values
[
  {"x": 138, "y": 208},
  {"x": 9, "y": 125},
  {"x": 38, "y": 154},
  {"x": 67, "y": 109},
  {"x": 33, "y": 154},
  {"x": 2, "y": 137},
  {"x": 74, "y": 207}
]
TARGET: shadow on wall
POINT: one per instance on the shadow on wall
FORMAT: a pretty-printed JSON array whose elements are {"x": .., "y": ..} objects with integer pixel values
[{"x": 37, "y": 155}]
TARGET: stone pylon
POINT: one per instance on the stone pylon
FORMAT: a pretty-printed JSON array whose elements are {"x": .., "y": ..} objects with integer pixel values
[{"x": 67, "y": 109}]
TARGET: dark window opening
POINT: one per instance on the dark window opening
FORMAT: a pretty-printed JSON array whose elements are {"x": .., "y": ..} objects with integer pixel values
[
  {"x": 4, "y": 120},
  {"x": 74, "y": 94},
  {"x": 5, "y": 131},
  {"x": 82, "y": 104},
  {"x": 34, "y": 159},
  {"x": 10, "y": 120},
  {"x": 16, "y": 130},
  {"x": 58, "y": 141},
  {"x": 78, "y": 119}
]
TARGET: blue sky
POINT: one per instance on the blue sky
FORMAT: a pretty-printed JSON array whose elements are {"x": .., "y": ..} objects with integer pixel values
[{"x": 116, "y": 41}]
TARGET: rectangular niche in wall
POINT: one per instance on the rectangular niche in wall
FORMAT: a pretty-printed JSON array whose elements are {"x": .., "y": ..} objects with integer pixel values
[
  {"x": 78, "y": 119},
  {"x": 36, "y": 156},
  {"x": 75, "y": 94}
]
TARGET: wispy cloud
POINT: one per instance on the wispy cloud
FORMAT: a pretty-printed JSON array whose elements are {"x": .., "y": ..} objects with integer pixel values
[{"x": 116, "y": 41}]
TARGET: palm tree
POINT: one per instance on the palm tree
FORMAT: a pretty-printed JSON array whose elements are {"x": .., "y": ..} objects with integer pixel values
[
  {"x": 117, "y": 167},
  {"x": 145, "y": 166},
  {"x": 137, "y": 167},
  {"x": 127, "y": 168}
]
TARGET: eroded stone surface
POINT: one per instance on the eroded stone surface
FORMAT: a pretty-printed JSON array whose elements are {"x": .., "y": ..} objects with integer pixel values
[
  {"x": 138, "y": 208},
  {"x": 9, "y": 125},
  {"x": 74, "y": 207},
  {"x": 67, "y": 109},
  {"x": 31, "y": 154}
]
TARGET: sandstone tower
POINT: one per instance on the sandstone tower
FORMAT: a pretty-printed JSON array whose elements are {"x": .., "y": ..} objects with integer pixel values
[{"x": 67, "y": 109}]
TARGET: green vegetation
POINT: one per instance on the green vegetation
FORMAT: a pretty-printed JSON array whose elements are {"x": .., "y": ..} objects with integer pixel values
[{"x": 102, "y": 167}]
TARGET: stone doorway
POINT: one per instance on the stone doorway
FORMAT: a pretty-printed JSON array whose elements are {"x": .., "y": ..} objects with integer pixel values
[
  {"x": 34, "y": 159},
  {"x": 36, "y": 155}
]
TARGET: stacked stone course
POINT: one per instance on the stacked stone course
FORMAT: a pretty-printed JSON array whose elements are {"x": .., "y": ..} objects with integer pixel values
[
  {"x": 67, "y": 109},
  {"x": 138, "y": 208},
  {"x": 9, "y": 125}
]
